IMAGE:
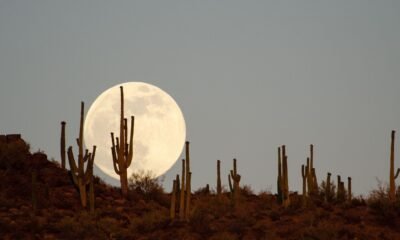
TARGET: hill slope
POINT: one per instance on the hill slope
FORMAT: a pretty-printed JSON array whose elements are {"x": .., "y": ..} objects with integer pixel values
[{"x": 58, "y": 214}]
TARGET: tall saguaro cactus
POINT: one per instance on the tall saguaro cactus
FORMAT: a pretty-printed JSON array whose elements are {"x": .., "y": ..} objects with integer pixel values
[
  {"x": 304, "y": 175},
  {"x": 236, "y": 180},
  {"x": 62, "y": 145},
  {"x": 122, "y": 150},
  {"x": 328, "y": 194},
  {"x": 185, "y": 191},
  {"x": 82, "y": 177},
  {"x": 392, "y": 175},
  {"x": 349, "y": 195},
  {"x": 279, "y": 180},
  {"x": 219, "y": 186},
  {"x": 188, "y": 182},
  {"x": 173, "y": 200},
  {"x": 283, "y": 182}
]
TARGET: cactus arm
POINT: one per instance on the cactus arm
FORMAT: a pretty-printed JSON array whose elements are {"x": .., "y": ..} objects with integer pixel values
[
  {"x": 89, "y": 167},
  {"x": 71, "y": 160},
  {"x": 86, "y": 156},
  {"x": 397, "y": 173},
  {"x": 303, "y": 172},
  {"x": 117, "y": 144},
  {"x": 73, "y": 167},
  {"x": 115, "y": 161},
  {"x": 236, "y": 178},
  {"x": 130, "y": 151}
]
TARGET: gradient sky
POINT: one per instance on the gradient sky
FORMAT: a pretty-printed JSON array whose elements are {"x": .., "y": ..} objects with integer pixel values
[{"x": 248, "y": 76}]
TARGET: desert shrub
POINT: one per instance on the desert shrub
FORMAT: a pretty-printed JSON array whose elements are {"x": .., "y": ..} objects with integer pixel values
[
  {"x": 147, "y": 184},
  {"x": 203, "y": 190},
  {"x": 108, "y": 226},
  {"x": 383, "y": 208},
  {"x": 150, "y": 221},
  {"x": 246, "y": 191},
  {"x": 358, "y": 201},
  {"x": 81, "y": 226},
  {"x": 200, "y": 221},
  {"x": 325, "y": 194}
]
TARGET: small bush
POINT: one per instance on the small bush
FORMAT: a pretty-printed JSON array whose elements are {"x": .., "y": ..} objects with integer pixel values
[{"x": 147, "y": 184}]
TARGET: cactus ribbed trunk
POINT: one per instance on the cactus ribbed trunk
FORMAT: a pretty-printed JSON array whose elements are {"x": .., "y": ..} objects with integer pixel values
[
  {"x": 315, "y": 181},
  {"x": 62, "y": 145},
  {"x": 82, "y": 186},
  {"x": 328, "y": 188},
  {"x": 188, "y": 182},
  {"x": 80, "y": 176},
  {"x": 122, "y": 150},
  {"x": 338, "y": 192},
  {"x": 309, "y": 178},
  {"x": 182, "y": 197},
  {"x": 285, "y": 180},
  {"x": 219, "y": 185},
  {"x": 173, "y": 200},
  {"x": 236, "y": 183},
  {"x": 349, "y": 189},
  {"x": 279, "y": 181},
  {"x": 188, "y": 196},
  {"x": 392, "y": 175},
  {"x": 304, "y": 177}
]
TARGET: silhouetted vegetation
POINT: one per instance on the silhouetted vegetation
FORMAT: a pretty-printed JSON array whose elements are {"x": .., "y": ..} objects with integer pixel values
[{"x": 38, "y": 200}]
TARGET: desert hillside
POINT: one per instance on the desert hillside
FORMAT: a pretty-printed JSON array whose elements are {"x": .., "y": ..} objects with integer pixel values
[{"x": 38, "y": 200}]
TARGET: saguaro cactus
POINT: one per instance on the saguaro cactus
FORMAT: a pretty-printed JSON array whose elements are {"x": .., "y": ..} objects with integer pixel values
[
  {"x": 349, "y": 189},
  {"x": 188, "y": 182},
  {"x": 219, "y": 186},
  {"x": 173, "y": 200},
  {"x": 185, "y": 192},
  {"x": 328, "y": 194},
  {"x": 283, "y": 182},
  {"x": 80, "y": 176},
  {"x": 341, "y": 192},
  {"x": 304, "y": 171},
  {"x": 122, "y": 151},
  {"x": 62, "y": 145},
  {"x": 236, "y": 180},
  {"x": 183, "y": 189},
  {"x": 392, "y": 176},
  {"x": 279, "y": 180},
  {"x": 315, "y": 181}
]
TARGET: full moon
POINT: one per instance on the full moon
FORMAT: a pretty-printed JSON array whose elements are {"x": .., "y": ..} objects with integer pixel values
[{"x": 159, "y": 131}]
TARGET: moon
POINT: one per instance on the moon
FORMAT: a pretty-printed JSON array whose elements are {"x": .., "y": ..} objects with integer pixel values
[{"x": 159, "y": 131}]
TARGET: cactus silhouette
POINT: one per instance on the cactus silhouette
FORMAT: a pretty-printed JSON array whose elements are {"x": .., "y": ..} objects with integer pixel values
[
  {"x": 185, "y": 191},
  {"x": 80, "y": 176},
  {"x": 62, "y": 145},
  {"x": 122, "y": 151},
  {"x": 173, "y": 200},
  {"x": 349, "y": 189},
  {"x": 188, "y": 182},
  {"x": 328, "y": 194},
  {"x": 304, "y": 171},
  {"x": 182, "y": 195},
  {"x": 279, "y": 180},
  {"x": 219, "y": 186},
  {"x": 392, "y": 175},
  {"x": 283, "y": 182},
  {"x": 235, "y": 190}
]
